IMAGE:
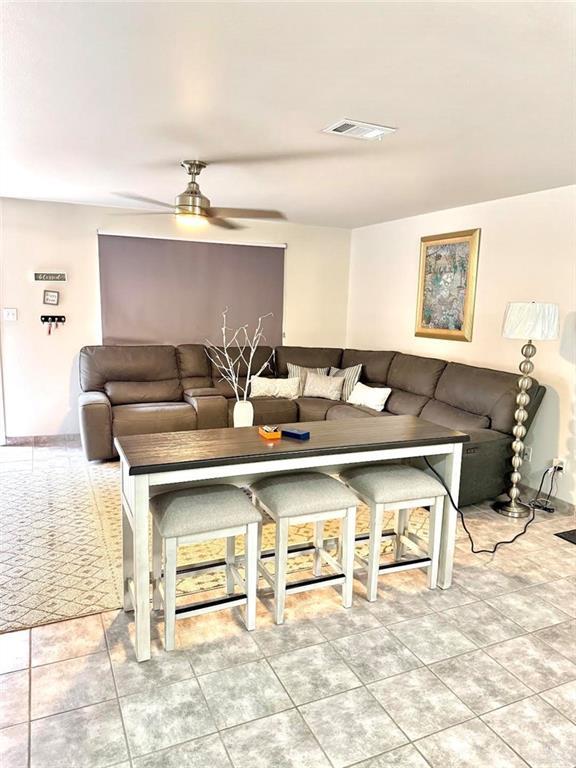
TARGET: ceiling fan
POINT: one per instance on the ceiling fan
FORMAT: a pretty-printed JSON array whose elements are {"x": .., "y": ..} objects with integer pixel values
[{"x": 193, "y": 203}]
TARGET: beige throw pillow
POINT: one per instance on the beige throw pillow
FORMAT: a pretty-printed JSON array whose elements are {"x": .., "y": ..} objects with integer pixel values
[
  {"x": 371, "y": 397},
  {"x": 301, "y": 372},
  {"x": 328, "y": 387},
  {"x": 286, "y": 388}
]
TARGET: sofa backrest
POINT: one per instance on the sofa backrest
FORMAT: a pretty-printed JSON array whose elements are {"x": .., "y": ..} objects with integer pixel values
[
  {"x": 309, "y": 357},
  {"x": 489, "y": 395},
  {"x": 194, "y": 366},
  {"x": 375, "y": 364},
  {"x": 131, "y": 374},
  {"x": 413, "y": 380}
]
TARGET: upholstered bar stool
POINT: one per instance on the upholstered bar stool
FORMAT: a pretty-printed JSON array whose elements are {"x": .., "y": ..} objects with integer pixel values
[
  {"x": 398, "y": 488},
  {"x": 193, "y": 515},
  {"x": 308, "y": 497}
]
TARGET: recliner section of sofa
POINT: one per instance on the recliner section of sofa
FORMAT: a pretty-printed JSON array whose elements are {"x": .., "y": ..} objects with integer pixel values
[{"x": 151, "y": 389}]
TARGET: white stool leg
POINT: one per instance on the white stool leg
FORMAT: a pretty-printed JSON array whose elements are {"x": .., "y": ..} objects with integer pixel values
[
  {"x": 280, "y": 566},
  {"x": 156, "y": 567},
  {"x": 348, "y": 547},
  {"x": 230, "y": 560},
  {"x": 318, "y": 543},
  {"x": 251, "y": 573},
  {"x": 401, "y": 522},
  {"x": 376, "y": 516},
  {"x": 434, "y": 536},
  {"x": 170, "y": 553}
]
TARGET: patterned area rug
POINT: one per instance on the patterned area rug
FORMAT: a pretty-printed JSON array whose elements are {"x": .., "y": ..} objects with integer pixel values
[{"x": 60, "y": 535}]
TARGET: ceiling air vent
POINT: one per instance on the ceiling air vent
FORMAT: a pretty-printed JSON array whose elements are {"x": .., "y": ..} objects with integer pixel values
[{"x": 357, "y": 130}]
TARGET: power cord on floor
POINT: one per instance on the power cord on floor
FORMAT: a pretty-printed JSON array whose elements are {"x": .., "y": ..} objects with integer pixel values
[{"x": 535, "y": 503}]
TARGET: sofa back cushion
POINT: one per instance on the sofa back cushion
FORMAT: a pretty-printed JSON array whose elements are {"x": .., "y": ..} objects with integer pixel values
[
  {"x": 413, "y": 380},
  {"x": 481, "y": 391},
  {"x": 453, "y": 418},
  {"x": 127, "y": 392},
  {"x": 120, "y": 365},
  {"x": 307, "y": 357},
  {"x": 194, "y": 366},
  {"x": 375, "y": 365}
]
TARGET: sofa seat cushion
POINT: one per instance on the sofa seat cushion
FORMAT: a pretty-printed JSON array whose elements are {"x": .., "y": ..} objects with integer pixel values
[
  {"x": 345, "y": 411},
  {"x": 453, "y": 418},
  {"x": 314, "y": 408},
  {"x": 151, "y": 418},
  {"x": 269, "y": 410}
]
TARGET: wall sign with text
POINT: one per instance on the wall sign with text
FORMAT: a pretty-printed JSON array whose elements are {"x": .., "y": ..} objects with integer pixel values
[{"x": 50, "y": 277}]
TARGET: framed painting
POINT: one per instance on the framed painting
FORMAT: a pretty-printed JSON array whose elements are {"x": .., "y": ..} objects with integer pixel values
[{"x": 447, "y": 285}]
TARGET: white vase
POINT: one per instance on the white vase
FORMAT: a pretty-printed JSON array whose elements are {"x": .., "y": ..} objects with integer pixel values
[{"x": 243, "y": 413}]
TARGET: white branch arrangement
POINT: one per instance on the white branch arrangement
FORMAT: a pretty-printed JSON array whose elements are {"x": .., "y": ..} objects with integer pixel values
[{"x": 238, "y": 347}]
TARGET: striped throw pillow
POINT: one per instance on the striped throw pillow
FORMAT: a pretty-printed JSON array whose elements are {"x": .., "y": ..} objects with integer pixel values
[
  {"x": 351, "y": 376},
  {"x": 301, "y": 372}
]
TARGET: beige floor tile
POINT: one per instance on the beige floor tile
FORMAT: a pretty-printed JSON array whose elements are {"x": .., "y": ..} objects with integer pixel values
[{"x": 67, "y": 639}]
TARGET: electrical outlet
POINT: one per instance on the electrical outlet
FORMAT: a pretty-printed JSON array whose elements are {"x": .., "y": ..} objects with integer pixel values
[
  {"x": 557, "y": 462},
  {"x": 10, "y": 315},
  {"x": 527, "y": 455}
]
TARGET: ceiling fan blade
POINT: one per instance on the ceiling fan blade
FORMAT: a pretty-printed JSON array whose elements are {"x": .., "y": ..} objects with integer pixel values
[
  {"x": 246, "y": 213},
  {"x": 144, "y": 213},
  {"x": 140, "y": 199},
  {"x": 224, "y": 223}
]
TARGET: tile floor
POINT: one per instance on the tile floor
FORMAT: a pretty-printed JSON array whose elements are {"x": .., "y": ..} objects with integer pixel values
[
  {"x": 483, "y": 674},
  {"x": 456, "y": 679}
]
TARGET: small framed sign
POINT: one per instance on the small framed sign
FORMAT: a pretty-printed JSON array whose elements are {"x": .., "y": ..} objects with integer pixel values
[
  {"x": 50, "y": 277},
  {"x": 51, "y": 297}
]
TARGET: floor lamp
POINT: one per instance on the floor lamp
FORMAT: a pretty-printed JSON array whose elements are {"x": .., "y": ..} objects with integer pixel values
[{"x": 530, "y": 321}]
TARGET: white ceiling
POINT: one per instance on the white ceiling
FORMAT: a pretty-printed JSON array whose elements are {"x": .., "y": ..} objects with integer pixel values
[{"x": 101, "y": 98}]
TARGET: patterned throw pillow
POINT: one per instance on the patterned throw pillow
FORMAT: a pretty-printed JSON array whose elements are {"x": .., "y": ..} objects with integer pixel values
[
  {"x": 286, "y": 388},
  {"x": 320, "y": 385},
  {"x": 351, "y": 376},
  {"x": 301, "y": 372}
]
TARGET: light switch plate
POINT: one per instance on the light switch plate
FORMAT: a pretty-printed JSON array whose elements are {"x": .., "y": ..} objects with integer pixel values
[{"x": 10, "y": 315}]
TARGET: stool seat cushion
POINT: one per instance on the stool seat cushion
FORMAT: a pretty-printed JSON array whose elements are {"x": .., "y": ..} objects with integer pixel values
[
  {"x": 200, "y": 510},
  {"x": 305, "y": 493},
  {"x": 387, "y": 483}
]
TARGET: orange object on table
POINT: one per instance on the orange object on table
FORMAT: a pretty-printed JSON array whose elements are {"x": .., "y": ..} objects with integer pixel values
[{"x": 275, "y": 435}]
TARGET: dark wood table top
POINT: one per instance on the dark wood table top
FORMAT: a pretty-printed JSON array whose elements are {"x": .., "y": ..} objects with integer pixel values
[{"x": 172, "y": 451}]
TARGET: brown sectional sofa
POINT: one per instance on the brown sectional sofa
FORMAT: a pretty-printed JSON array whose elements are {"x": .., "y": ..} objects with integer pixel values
[{"x": 149, "y": 389}]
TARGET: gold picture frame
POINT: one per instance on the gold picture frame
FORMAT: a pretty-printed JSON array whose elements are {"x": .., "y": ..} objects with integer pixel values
[{"x": 447, "y": 285}]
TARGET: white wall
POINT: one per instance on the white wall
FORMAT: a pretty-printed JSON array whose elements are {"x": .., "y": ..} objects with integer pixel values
[
  {"x": 527, "y": 252},
  {"x": 41, "y": 372}
]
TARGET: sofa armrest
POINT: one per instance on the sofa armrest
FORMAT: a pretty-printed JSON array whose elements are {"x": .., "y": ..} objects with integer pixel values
[
  {"x": 95, "y": 414},
  {"x": 211, "y": 409},
  {"x": 194, "y": 392}
]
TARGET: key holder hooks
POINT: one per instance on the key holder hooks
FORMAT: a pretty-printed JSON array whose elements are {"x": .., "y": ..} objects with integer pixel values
[{"x": 53, "y": 321}]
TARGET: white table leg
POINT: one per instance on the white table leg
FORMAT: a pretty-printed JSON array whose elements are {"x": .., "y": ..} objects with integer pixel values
[
  {"x": 140, "y": 511},
  {"x": 127, "y": 560},
  {"x": 450, "y": 471}
]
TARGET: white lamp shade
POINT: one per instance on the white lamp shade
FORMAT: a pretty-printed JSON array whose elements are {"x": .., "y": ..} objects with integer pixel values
[{"x": 530, "y": 320}]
